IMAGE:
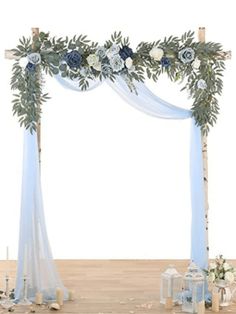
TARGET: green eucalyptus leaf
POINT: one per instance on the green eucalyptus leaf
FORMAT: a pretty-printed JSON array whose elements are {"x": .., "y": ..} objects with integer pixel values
[{"x": 28, "y": 87}]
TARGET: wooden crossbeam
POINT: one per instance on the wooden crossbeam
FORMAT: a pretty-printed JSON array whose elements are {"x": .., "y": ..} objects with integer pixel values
[
  {"x": 9, "y": 54},
  {"x": 226, "y": 55},
  {"x": 35, "y": 34}
]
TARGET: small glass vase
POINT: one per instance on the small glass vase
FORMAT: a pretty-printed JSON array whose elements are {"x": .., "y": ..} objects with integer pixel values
[
  {"x": 24, "y": 300},
  {"x": 225, "y": 292},
  {"x": 7, "y": 303}
]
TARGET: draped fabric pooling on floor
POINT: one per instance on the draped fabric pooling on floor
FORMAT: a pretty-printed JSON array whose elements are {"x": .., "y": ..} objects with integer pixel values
[
  {"x": 34, "y": 249},
  {"x": 34, "y": 254}
]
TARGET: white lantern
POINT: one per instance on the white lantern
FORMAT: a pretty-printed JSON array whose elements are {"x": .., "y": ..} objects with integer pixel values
[
  {"x": 193, "y": 291},
  {"x": 171, "y": 285}
]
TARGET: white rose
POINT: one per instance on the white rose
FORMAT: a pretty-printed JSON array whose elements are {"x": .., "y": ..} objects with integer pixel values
[
  {"x": 211, "y": 277},
  {"x": 212, "y": 266},
  {"x": 226, "y": 266},
  {"x": 101, "y": 52},
  {"x": 92, "y": 59},
  {"x": 98, "y": 66},
  {"x": 34, "y": 58},
  {"x": 229, "y": 276},
  {"x": 196, "y": 64},
  {"x": 23, "y": 62},
  {"x": 128, "y": 63},
  {"x": 156, "y": 53},
  {"x": 117, "y": 63},
  {"x": 112, "y": 51}
]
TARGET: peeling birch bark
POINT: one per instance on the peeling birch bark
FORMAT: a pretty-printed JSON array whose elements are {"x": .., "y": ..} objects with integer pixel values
[{"x": 201, "y": 38}]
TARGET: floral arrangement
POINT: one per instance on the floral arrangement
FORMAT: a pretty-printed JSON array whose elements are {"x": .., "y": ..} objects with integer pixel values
[
  {"x": 199, "y": 66},
  {"x": 220, "y": 270}
]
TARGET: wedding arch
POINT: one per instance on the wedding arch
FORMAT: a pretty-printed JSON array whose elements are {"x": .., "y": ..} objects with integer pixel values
[{"x": 81, "y": 65}]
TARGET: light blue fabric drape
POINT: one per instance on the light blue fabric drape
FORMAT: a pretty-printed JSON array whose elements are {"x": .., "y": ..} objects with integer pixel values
[
  {"x": 151, "y": 104},
  {"x": 199, "y": 253},
  {"x": 33, "y": 239},
  {"x": 34, "y": 254}
]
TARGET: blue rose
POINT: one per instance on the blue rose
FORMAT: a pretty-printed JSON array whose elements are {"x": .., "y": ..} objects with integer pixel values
[
  {"x": 165, "y": 62},
  {"x": 73, "y": 59},
  {"x": 126, "y": 52},
  {"x": 106, "y": 69},
  {"x": 30, "y": 67},
  {"x": 101, "y": 52},
  {"x": 186, "y": 55}
]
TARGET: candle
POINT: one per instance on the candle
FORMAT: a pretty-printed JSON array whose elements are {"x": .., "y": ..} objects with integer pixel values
[
  {"x": 7, "y": 286},
  {"x": 39, "y": 298},
  {"x": 59, "y": 296},
  {"x": 201, "y": 307},
  {"x": 25, "y": 262},
  {"x": 215, "y": 301},
  {"x": 7, "y": 259},
  {"x": 7, "y": 253},
  {"x": 169, "y": 303},
  {"x": 170, "y": 283},
  {"x": 71, "y": 295}
]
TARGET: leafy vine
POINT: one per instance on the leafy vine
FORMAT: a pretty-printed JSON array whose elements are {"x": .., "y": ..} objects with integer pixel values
[{"x": 199, "y": 66}]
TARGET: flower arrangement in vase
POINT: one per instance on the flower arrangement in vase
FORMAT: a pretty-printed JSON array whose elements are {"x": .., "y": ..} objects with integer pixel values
[{"x": 221, "y": 274}]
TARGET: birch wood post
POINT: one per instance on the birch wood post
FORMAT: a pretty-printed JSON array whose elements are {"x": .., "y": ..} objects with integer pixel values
[
  {"x": 35, "y": 33},
  {"x": 201, "y": 38}
]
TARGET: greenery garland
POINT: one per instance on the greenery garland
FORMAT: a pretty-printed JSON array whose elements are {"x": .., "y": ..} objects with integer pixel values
[{"x": 199, "y": 66}]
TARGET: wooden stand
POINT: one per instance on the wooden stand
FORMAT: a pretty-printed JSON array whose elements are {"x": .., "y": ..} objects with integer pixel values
[
  {"x": 201, "y": 38},
  {"x": 35, "y": 34}
]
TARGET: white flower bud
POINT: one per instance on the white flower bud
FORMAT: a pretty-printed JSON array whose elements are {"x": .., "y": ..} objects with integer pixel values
[
  {"x": 156, "y": 53},
  {"x": 92, "y": 59},
  {"x": 128, "y": 63},
  {"x": 196, "y": 64}
]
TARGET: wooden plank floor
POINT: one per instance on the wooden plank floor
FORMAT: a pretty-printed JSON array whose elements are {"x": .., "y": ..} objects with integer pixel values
[{"x": 111, "y": 286}]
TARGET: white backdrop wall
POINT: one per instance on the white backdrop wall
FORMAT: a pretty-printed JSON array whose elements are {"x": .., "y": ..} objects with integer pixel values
[{"x": 115, "y": 181}]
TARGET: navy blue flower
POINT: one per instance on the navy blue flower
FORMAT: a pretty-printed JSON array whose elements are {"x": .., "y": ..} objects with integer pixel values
[
  {"x": 30, "y": 67},
  {"x": 165, "y": 62},
  {"x": 73, "y": 59},
  {"x": 126, "y": 52}
]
